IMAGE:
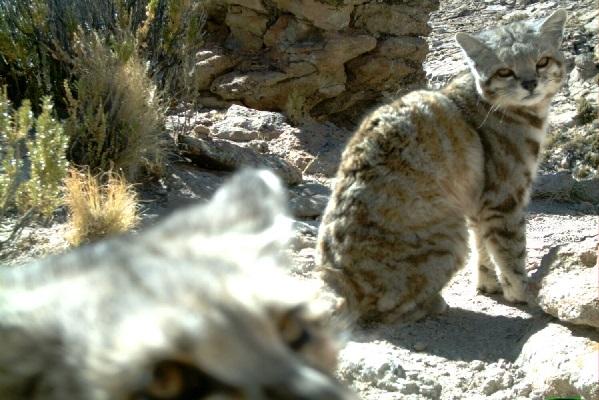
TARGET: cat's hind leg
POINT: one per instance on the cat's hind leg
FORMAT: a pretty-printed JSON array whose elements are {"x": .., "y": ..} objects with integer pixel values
[{"x": 424, "y": 270}]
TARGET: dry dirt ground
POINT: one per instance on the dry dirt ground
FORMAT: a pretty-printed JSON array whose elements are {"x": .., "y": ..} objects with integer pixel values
[{"x": 482, "y": 347}]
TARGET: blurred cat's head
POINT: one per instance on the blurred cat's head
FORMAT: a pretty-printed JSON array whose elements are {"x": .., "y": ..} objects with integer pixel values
[{"x": 519, "y": 64}]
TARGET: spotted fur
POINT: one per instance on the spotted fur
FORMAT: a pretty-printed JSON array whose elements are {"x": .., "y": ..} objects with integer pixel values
[
  {"x": 194, "y": 308},
  {"x": 422, "y": 170}
]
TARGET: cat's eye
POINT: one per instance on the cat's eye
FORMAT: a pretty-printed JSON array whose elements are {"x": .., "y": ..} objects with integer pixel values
[
  {"x": 174, "y": 380},
  {"x": 293, "y": 330},
  {"x": 168, "y": 381},
  {"x": 504, "y": 73},
  {"x": 543, "y": 62}
]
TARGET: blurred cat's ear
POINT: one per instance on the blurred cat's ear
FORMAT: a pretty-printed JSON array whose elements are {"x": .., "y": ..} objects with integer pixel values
[
  {"x": 478, "y": 54},
  {"x": 552, "y": 28},
  {"x": 470, "y": 44},
  {"x": 251, "y": 201}
]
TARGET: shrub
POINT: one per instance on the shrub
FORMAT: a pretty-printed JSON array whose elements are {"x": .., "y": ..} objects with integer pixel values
[
  {"x": 35, "y": 42},
  {"x": 13, "y": 131},
  {"x": 96, "y": 209},
  {"x": 169, "y": 38},
  {"x": 585, "y": 112},
  {"x": 46, "y": 146},
  {"x": 115, "y": 115},
  {"x": 43, "y": 190},
  {"x": 37, "y": 36}
]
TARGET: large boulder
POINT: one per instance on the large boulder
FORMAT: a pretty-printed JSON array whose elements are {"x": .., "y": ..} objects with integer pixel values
[
  {"x": 567, "y": 281},
  {"x": 561, "y": 362}
]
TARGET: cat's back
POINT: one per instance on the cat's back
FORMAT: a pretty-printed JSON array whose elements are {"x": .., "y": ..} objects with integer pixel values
[{"x": 419, "y": 148}]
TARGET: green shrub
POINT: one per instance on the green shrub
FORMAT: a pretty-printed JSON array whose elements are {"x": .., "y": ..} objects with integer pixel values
[
  {"x": 585, "y": 112},
  {"x": 115, "y": 115},
  {"x": 42, "y": 192},
  {"x": 14, "y": 127},
  {"x": 169, "y": 38},
  {"x": 36, "y": 42},
  {"x": 47, "y": 154}
]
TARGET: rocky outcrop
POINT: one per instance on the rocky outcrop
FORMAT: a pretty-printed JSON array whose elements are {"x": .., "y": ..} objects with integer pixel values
[
  {"x": 226, "y": 156},
  {"x": 312, "y": 58},
  {"x": 311, "y": 147},
  {"x": 562, "y": 186}
]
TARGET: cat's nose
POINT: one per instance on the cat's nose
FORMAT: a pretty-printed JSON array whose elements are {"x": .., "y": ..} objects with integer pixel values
[{"x": 529, "y": 85}]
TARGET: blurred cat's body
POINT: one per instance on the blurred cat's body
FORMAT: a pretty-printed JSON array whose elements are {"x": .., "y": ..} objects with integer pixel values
[
  {"x": 422, "y": 170},
  {"x": 197, "y": 307}
]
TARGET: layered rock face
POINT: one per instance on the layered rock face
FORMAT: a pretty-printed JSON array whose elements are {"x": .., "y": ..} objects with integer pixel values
[{"x": 312, "y": 58}]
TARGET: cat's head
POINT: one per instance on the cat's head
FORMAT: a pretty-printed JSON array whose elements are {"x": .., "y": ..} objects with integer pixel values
[{"x": 519, "y": 64}]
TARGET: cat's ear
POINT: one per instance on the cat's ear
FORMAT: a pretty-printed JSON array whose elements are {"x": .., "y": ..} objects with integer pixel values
[
  {"x": 251, "y": 201},
  {"x": 470, "y": 44},
  {"x": 476, "y": 51},
  {"x": 552, "y": 28}
]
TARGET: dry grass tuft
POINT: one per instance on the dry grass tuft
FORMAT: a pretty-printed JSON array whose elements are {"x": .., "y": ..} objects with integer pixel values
[{"x": 99, "y": 210}]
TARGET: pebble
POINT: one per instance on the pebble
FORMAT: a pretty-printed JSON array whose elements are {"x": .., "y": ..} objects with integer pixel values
[{"x": 420, "y": 346}]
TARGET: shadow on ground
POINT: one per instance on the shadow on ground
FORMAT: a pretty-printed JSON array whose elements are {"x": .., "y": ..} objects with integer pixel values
[{"x": 462, "y": 335}]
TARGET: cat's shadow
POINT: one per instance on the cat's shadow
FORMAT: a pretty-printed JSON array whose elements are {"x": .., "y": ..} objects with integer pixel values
[{"x": 460, "y": 334}]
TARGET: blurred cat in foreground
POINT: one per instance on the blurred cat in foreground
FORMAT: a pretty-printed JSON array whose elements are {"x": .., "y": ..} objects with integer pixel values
[{"x": 196, "y": 307}]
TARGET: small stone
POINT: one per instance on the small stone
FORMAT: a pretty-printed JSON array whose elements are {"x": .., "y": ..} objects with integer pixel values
[
  {"x": 408, "y": 388},
  {"x": 477, "y": 365},
  {"x": 245, "y": 124},
  {"x": 420, "y": 346}
]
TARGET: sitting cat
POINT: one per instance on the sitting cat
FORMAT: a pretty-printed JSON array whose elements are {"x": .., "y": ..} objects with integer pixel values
[
  {"x": 419, "y": 171},
  {"x": 194, "y": 308}
]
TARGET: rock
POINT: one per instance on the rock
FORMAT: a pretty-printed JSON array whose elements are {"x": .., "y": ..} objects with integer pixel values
[
  {"x": 585, "y": 64},
  {"x": 243, "y": 124},
  {"x": 222, "y": 155},
  {"x": 403, "y": 46},
  {"x": 187, "y": 183},
  {"x": 325, "y": 163},
  {"x": 367, "y": 362},
  {"x": 562, "y": 362},
  {"x": 319, "y": 13},
  {"x": 378, "y": 71},
  {"x": 292, "y": 55},
  {"x": 565, "y": 119},
  {"x": 587, "y": 190},
  {"x": 554, "y": 186},
  {"x": 209, "y": 64},
  {"x": 311, "y": 74},
  {"x": 308, "y": 199},
  {"x": 396, "y": 19},
  {"x": 308, "y": 207},
  {"x": 255, "y": 5},
  {"x": 567, "y": 282},
  {"x": 247, "y": 28}
]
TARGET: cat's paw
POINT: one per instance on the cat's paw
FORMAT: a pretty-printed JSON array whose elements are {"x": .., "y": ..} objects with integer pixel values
[
  {"x": 437, "y": 305},
  {"x": 486, "y": 280},
  {"x": 488, "y": 288},
  {"x": 516, "y": 292}
]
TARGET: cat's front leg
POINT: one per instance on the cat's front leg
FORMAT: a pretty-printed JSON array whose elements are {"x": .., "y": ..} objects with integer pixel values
[
  {"x": 484, "y": 273},
  {"x": 505, "y": 237}
]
